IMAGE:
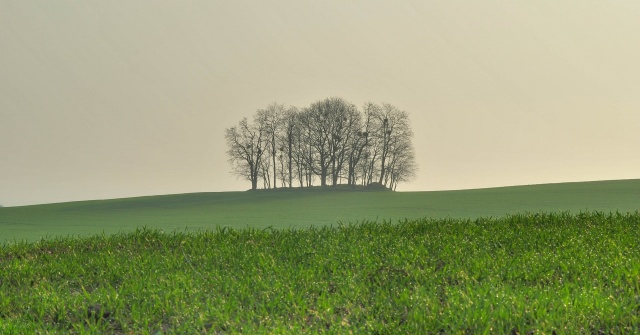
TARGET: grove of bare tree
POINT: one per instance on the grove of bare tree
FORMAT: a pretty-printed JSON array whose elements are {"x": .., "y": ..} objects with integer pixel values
[{"x": 331, "y": 142}]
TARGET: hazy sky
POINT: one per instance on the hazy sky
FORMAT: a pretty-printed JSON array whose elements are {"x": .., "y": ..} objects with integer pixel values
[{"x": 105, "y": 99}]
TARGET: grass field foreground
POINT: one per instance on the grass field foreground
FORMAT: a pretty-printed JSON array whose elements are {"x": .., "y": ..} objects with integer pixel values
[{"x": 563, "y": 273}]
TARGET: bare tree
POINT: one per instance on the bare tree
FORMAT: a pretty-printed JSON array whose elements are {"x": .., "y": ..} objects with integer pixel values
[
  {"x": 298, "y": 146},
  {"x": 330, "y": 125},
  {"x": 395, "y": 131},
  {"x": 245, "y": 149},
  {"x": 402, "y": 166},
  {"x": 272, "y": 119},
  {"x": 345, "y": 125},
  {"x": 305, "y": 153},
  {"x": 359, "y": 148},
  {"x": 374, "y": 143},
  {"x": 318, "y": 119},
  {"x": 287, "y": 140}
]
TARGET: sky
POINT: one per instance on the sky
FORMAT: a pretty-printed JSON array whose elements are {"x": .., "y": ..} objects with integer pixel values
[{"x": 111, "y": 99}]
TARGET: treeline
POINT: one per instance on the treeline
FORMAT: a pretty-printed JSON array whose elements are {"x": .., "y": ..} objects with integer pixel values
[{"x": 331, "y": 141}]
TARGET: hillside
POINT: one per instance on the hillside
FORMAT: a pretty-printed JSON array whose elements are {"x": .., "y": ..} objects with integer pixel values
[{"x": 300, "y": 208}]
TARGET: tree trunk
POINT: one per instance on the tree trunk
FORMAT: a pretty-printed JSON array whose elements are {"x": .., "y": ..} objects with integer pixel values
[
  {"x": 334, "y": 173},
  {"x": 273, "y": 153},
  {"x": 253, "y": 170},
  {"x": 290, "y": 161},
  {"x": 323, "y": 176}
]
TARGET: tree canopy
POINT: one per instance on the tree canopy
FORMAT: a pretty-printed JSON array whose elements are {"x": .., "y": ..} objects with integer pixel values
[{"x": 331, "y": 142}]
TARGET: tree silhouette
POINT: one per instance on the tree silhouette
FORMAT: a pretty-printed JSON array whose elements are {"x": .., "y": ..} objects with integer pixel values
[
  {"x": 246, "y": 149},
  {"x": 330, "y": 140}
]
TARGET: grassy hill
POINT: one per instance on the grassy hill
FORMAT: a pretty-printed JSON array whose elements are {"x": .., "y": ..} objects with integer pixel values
[
  {"x": 302, "y": 208},
  {"x": 515, "y": 274}
]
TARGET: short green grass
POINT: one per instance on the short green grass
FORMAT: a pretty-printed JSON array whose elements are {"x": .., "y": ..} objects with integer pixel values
[
  {"x": 520, "y": 274},
  {"x": 304, "y": 208}
]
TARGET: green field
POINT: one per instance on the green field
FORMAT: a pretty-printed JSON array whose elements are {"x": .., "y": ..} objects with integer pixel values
[
  {"x": 542, "y": 259},
  {"x": 304, "y": 208},
  {"x": 521, "y": 274}
]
